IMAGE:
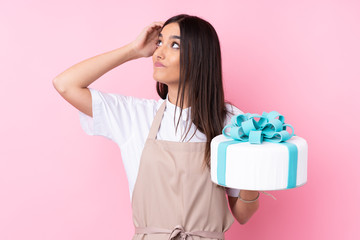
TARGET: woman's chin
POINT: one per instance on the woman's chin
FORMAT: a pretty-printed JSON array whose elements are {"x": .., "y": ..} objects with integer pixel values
[
  {"x": 164, "y": 79},
  {"x": 159, "y": 79}
]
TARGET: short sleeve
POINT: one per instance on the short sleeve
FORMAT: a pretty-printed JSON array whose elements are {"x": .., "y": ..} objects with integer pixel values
[
  {"x": 112, "y": 115},
  {"x": 232, "y": 192},
  {"x": 233, "y": 111}
]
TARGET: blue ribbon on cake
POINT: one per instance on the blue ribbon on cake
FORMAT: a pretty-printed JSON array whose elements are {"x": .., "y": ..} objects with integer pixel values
[{"x": 269, "y": 127}]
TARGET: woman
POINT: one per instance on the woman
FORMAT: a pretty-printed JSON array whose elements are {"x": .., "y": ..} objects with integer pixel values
[{"x": 165, "y": 144}]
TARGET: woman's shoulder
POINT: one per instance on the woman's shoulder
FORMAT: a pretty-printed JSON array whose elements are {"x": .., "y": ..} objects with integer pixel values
[
  {"x": 148, "y": 103},
  {"x": 131, "y": 101},
  {"x": 232, "y": 110}
]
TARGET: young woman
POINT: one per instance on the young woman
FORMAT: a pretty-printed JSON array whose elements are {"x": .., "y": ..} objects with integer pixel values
[{"x": 165, "y": 143}]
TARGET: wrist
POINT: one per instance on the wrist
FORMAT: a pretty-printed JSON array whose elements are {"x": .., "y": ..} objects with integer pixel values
[
  {"x": 248, "y": 195},
  {"x": 133, "y": 52}
]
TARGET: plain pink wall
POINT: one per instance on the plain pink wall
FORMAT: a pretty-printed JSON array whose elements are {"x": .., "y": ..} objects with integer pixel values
[{"x": 301, "y": 58}]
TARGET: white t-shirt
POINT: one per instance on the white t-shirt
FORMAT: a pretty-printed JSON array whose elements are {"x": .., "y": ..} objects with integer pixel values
[{"x": 127, "y": 120}]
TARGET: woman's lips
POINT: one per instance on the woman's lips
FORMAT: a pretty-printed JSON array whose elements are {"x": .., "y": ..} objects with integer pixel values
[{"x": 158, "y": 64}]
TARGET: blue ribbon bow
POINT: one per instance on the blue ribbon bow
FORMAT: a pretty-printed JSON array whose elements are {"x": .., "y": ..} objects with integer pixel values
[{"x": 270, "y": 127}]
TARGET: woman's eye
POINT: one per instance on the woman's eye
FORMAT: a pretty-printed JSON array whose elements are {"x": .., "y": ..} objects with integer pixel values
[{"x": 175, "y": 43}]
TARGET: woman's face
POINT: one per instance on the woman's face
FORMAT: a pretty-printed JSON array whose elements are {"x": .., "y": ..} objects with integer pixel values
[{"x": 166, "y": 57}]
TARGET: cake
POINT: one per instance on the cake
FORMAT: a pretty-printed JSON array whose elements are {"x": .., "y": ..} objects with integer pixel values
[{"x": 259, "y": 154}]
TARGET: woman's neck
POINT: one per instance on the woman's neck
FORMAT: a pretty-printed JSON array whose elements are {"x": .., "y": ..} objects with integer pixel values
[{"x": 172, "y": 95}]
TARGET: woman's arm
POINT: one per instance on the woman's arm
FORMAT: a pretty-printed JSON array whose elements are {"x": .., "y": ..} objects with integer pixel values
[
  {"x": 72, "y": 84},
  {"x": 243, "y": 211}
]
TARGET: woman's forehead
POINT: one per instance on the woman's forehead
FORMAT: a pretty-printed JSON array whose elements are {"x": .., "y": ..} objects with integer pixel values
[{"x": 171, "y": 30}]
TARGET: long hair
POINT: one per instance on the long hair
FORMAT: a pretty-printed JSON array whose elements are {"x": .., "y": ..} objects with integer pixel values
[{"x": 200, "y": 76}]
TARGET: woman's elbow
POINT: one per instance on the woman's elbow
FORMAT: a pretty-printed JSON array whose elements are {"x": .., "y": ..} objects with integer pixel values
[
  {"x": 58, "y": 86},
  {"x": 246, "y": 217}
]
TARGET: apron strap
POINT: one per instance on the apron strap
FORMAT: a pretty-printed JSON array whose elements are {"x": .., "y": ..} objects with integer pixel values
[
  {"x": 156, "y": 122},
  {"x": 179, "y": 231}
]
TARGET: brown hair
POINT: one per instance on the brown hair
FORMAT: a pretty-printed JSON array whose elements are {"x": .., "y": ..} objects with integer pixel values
[{"x": 200, "y": 77}]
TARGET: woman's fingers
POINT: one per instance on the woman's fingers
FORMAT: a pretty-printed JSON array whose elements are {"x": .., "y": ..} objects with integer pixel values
[
  {"x": 160, "y": 24},
  {"x": 155, "y": 26},
  {"x": 145, "y": 42}
]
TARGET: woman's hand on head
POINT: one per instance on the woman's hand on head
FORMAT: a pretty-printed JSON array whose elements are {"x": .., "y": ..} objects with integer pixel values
[{"x": 145, "y": 43}]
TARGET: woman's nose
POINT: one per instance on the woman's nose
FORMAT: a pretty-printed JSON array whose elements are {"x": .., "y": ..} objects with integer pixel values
[{"x": 159, "y": 53}]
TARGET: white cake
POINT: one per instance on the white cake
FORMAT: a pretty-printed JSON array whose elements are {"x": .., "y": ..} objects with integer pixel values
[{"x": 265, "y": 166}]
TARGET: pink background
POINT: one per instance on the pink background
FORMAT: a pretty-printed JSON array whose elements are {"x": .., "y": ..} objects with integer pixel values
[{"x": 301, "y": 58}]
